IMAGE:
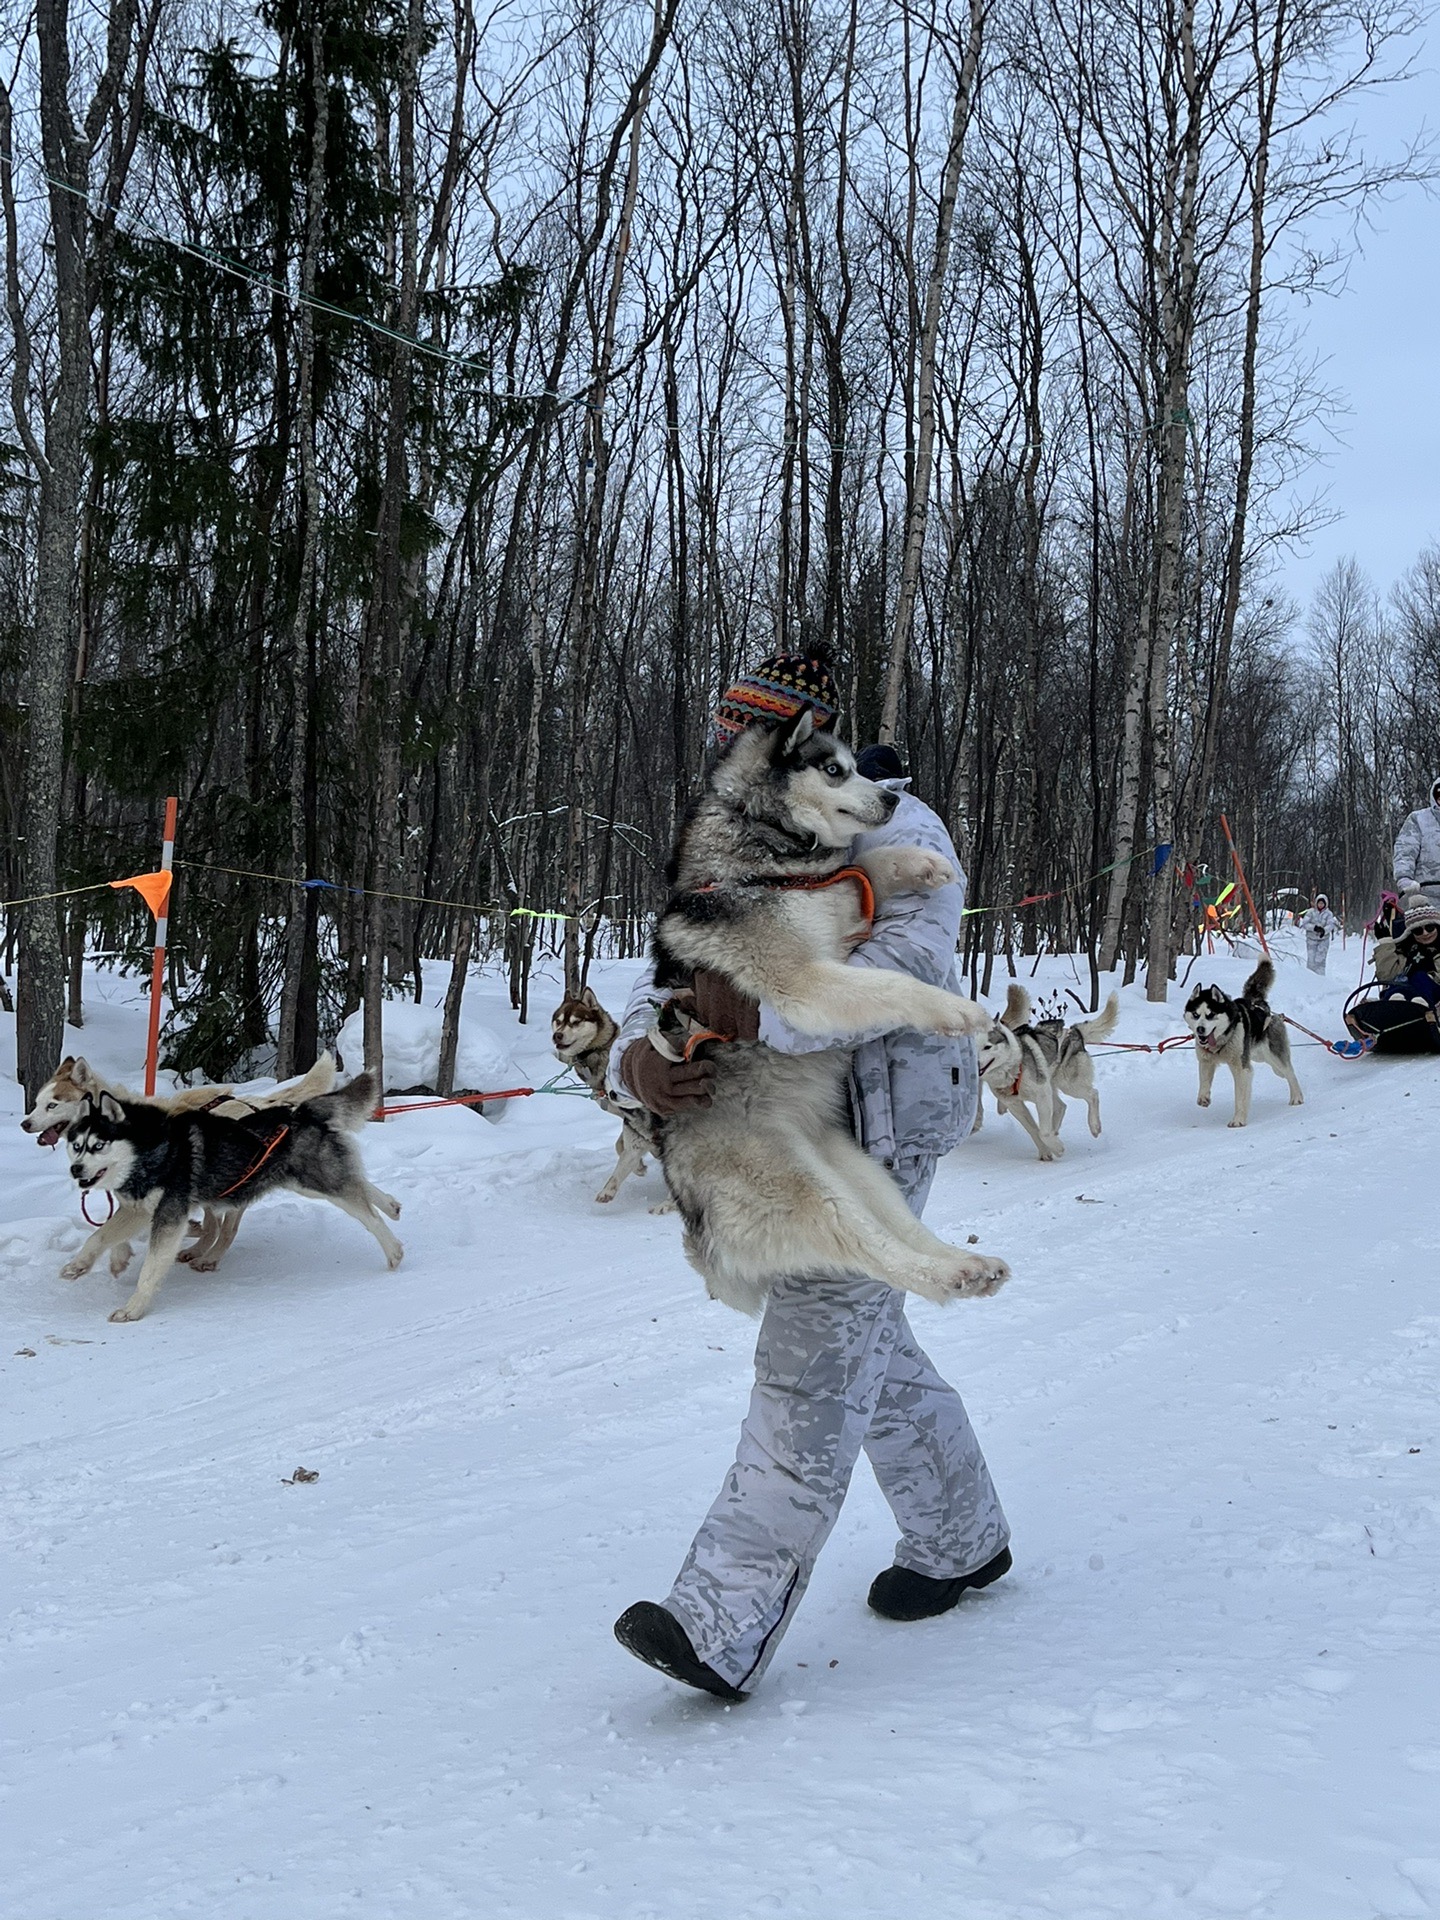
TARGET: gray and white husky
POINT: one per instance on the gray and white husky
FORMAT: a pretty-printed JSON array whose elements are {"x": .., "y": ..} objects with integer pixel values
[
  {"x": 1030, "y": 1063},
  {"x": 165, "y": 1164},
  {"x": 1234, "y": 1033},
  {"x": 768, "y": 1178}
]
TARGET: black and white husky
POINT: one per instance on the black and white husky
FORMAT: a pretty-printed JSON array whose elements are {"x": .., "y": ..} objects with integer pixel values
[
  {"x": 1233, "y": 1033},
  {"x": 75, "y": 1084},
  {"x": 165, "y": 1164},
  {"x": 1035, "y": 1061},
  {"x": 768, "y": 1178}
]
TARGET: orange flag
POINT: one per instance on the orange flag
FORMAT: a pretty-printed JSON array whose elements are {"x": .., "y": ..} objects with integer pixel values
[{"x": 153, "y": 889}]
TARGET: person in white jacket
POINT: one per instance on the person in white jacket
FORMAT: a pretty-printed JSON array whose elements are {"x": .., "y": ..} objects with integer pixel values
[
  {"x": 1417, "y": 849},
  {"x": 1320, "y": 927}
]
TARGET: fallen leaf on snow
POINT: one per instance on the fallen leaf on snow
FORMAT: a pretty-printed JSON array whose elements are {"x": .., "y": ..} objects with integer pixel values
[{"x": 300, "y": 1476}]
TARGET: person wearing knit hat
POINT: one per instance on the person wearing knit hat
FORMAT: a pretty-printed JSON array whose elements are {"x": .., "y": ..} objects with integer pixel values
[
  {"x": 838, "y": 1370},
  {"x": 1409, "y": 964},
  {"x": 777, "y": 690}
]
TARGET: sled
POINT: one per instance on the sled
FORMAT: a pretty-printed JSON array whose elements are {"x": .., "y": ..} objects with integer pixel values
[{"x": 1392, "y": 1026}]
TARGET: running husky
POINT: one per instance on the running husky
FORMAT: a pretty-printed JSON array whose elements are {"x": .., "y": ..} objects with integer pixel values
[
  {"x": 768, "y": 1178},
  {"x": 165, "y": 1164},
  {"x": 1234, "y": 1033},
  {"x": 581, "y": 1036},
  {"x": 62, "y": 1100},
  {"x": 1037, "y": 1060}
]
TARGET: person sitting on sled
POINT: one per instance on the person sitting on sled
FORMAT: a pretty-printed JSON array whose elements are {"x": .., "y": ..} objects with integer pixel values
[{"x": 1408, "y": 965}]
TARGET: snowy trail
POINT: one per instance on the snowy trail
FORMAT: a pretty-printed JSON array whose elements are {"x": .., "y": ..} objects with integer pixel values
[{"x": 1206, "y": 1690}]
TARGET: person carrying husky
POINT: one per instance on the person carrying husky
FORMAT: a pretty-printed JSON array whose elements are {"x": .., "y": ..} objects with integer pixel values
[
  {"x": 837, "y": 1368},
  {"x": 1417, "y": 849},
  {"x": 1320, "y": 927}
]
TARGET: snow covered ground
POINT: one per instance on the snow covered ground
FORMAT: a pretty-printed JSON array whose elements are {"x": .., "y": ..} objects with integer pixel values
[{"x": 1209, "y": 1399}]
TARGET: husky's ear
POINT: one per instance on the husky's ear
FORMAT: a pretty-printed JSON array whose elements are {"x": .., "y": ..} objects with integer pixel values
[
  {"x": 110, "y": 1108},
  {"x": 587, "y": 994},
  {"x": 81, "y": 1072},
  {"x": 792, "y": 737}
]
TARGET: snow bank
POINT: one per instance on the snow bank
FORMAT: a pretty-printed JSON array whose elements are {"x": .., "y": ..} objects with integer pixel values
[{"x": 412, "y": 1050}]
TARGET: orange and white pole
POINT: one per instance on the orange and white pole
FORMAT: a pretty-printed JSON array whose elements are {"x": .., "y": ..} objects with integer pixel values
[
  {"x": 157, "y": 965},
  {"x": 1255, "y": 919}
]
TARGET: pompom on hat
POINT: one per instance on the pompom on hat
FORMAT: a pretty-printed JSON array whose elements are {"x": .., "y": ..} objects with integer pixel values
[
  {"x": 777, "y": 690},
  {"x": 1419, "y": 911}
]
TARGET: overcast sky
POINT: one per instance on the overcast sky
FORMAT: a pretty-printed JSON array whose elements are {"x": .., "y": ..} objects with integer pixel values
[{"x": 1380, "y": 341}]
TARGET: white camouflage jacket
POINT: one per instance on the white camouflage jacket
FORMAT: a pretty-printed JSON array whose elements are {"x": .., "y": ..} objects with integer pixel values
[
  {"x": 1417, "y": 852},
  {"x": 913, "y": 1094}
]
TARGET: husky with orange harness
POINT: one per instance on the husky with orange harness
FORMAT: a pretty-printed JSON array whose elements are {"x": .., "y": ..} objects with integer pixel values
[
  {"x": 163, "y": 1165},
  {"x": 768, "y": 1177}
]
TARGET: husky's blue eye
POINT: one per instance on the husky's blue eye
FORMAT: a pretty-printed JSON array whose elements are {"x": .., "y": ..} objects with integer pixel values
[{"x": 834, "y": 771}]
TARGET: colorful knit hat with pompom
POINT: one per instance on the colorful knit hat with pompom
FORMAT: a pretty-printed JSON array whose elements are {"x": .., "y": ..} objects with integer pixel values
[{"x": 777, "y": 690}]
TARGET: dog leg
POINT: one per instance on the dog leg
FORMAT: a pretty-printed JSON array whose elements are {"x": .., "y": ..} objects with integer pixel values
[
  {"x": 359, "y": 1208},
  {"x": 1046, "y": 1145},
  {"x": 1207, "y": 1064},
  {"x": 1244, "y": 1077},
  {"x": 1057, "y": 1112},
  {"x": 825, "y": 998},
  {"x": 383, "y": 1202},
  {"x": 784, "y": 1205},
  {"x": 126, "y": 1220},
  {"x": 1080, "y": 1085},
  {"x": 167, "y": 1230},
  {"x": 1287, "y": 1074},
  {"x": 218, "y": 1233},
  {"x": 630, "y": 1159},
  {"x": 895, "y": 870}
]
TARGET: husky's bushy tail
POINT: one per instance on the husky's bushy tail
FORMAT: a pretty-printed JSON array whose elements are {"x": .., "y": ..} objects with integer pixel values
[
  {"x": 1258, "y": 986},
  {"x": 1104, "y": 1023},
  {"x": 1017, "y": 1007},
  {"x": 348, "y": 1108}
]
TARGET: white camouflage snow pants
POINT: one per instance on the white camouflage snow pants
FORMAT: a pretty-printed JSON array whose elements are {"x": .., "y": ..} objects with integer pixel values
[{"x": 836, "y": 1369}]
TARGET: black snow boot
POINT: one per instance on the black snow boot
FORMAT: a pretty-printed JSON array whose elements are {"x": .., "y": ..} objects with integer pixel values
[
  {"x": 655, "y": 1636},
  {"x": 899, "y": 1594}
]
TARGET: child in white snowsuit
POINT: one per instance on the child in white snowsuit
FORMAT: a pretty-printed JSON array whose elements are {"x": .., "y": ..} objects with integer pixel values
[
  {"x": 1320, "y": 927},
  {"x": 837, "y": 1368}
]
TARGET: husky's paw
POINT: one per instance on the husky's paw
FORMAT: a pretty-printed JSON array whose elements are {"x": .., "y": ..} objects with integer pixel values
[
  {"x": 392, "y": 1260},
  {"x": 388, "y": 1204},
  {"x": 1236, "y": 1123},
  {"x": 907, "y": 870},
  {"x": 1297, "y": 1099},
  {"x": 964, "y": 1019},
  {"x": 1202, "y": 1099},
  {"x": 975, "y": 1276},
  {"x": 1053, "y": 1148},
  {"x": 132, "y": 1310},
  {"x": 120, "y": 1258},
  {"x": 664, "y": 1206},
  {"x": 208, "y": 1265},
  {"x": 603, "y": 1198},
  {"x": 74, "y": 1269}
]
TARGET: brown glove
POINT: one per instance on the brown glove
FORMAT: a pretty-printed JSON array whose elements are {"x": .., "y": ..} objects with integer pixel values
[
  {"x": 720, "y": 1006},
  {"x": 665, "y": 1086}
]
